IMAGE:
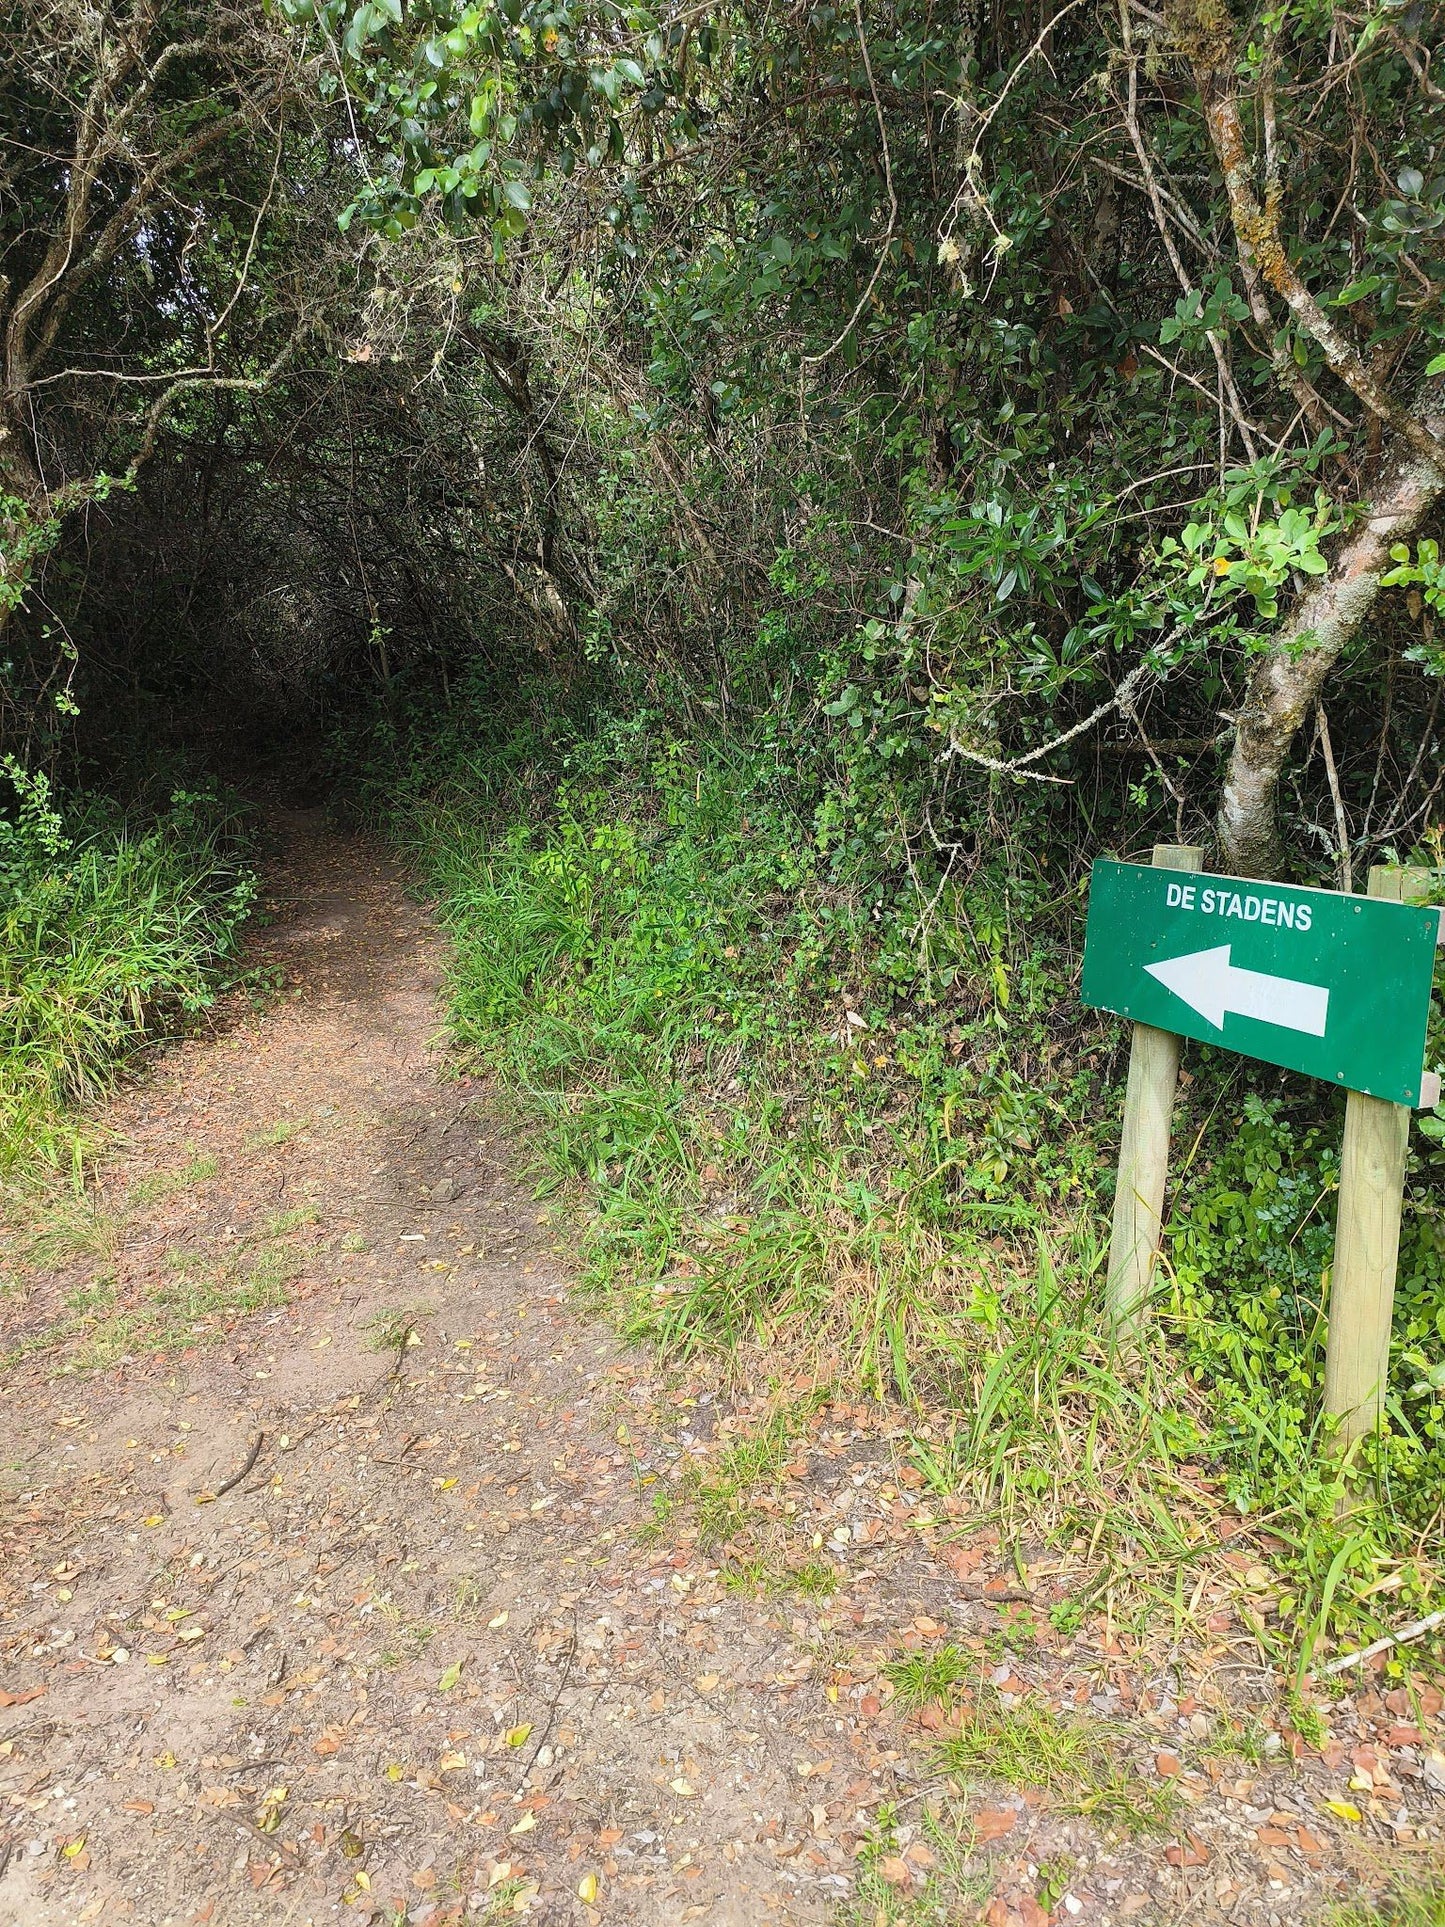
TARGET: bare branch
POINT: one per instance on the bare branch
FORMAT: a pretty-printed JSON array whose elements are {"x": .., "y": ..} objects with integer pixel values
[
  {"x": 1286, "y": 680},
  {"x": 124, "y": 221},
  {"x": 1156, "y": 202},
  {"x": 812, "y": 361},
  {"x": 1342, "y": 833},
  {"x": 1121, "y": 699},
  {"x": 1261, "y": 245},
  {"x": 204, "y": 377}
]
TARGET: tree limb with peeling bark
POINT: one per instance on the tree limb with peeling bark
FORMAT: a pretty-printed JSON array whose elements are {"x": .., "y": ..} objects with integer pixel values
[{"x": 1400, "y": 488}]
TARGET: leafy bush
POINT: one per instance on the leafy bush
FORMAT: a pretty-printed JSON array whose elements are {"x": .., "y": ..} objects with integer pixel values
[
  {"x": 1252, "y": 1251},
  {"x": 108, "y": 930}
]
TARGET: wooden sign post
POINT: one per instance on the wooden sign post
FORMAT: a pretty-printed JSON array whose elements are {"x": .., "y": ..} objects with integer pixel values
[
  {"x": 1331, "y": 984},
  {"x": 1144, "y": 1151},
  {"x": 1367, "y": 1233}
]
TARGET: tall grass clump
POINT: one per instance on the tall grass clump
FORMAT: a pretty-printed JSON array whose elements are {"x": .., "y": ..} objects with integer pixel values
[{"x": 108, "y": 931}]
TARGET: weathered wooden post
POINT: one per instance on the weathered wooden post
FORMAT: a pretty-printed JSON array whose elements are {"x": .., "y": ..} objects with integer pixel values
[
  {"x": 1334, "y": 985},
  {"x": 1367, "y": 1232},
  {"x": 1144, "y": 1151}
]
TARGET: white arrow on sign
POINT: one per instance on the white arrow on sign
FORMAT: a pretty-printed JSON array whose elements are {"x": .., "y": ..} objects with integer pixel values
[{"x": 1208, "y": 982}]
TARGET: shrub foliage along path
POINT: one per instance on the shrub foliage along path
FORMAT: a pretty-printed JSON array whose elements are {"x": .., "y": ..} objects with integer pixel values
[{"x": 344, "y": 1561}]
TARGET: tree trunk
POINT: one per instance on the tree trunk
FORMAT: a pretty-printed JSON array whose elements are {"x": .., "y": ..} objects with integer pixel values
[
  {"x": 23, "y": 503},
  {"x": 1287, "y": 678}
]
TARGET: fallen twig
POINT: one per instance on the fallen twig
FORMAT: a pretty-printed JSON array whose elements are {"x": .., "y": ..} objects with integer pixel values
[
  {"x": 1416, "y": 1629},
  {"x": 567, "y": 1660},
  {"x": 228, "y": 1816},
  {"x": 206, "y": 1498}
]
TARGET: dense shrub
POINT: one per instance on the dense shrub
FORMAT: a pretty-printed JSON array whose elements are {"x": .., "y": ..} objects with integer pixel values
[{"x": 109, "y": 929}]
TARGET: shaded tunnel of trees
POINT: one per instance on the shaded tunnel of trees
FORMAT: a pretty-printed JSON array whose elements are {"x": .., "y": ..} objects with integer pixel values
[{"x": 947, "y": 379}]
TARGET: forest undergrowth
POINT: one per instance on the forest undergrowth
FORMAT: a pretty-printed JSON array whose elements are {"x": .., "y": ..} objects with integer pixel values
[
  {"x": 834, "y": 1134},
  {"x": 113, "y": 926}
]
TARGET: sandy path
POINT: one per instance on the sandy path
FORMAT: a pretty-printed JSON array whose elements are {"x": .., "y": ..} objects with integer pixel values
[
  {"x": 421, "y": 1563},
  {"x": 436, "y": 1656}
]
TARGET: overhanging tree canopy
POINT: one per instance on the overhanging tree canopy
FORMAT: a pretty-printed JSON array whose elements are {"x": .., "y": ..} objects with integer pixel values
[{"x": 1056, "y": 392}]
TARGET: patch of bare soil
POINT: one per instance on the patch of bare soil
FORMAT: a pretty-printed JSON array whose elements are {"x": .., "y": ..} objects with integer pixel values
[{"x": 337, "y": 1585}]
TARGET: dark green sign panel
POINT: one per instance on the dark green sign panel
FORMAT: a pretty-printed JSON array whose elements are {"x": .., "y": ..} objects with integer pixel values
[{"x": 1335, "y": 986}]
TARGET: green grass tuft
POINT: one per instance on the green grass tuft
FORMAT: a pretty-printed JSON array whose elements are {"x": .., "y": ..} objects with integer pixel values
[
  {"x": 1408, "y": 1904},
  {"x": 108, "y": 933},
  {"x": 930, "y": 1676},
  {"x": 1074, "y": 1760},
  {"x": 196, "y": 1301}
]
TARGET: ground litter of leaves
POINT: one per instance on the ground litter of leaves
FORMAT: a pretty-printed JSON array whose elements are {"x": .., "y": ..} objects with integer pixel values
[{"x": 335, "y": 1585}]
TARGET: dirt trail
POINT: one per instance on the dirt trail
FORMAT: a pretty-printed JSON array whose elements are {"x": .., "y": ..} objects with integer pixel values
[
  {"x": 431, "y": 1651},
  {"x": 433, "y": 1549}
]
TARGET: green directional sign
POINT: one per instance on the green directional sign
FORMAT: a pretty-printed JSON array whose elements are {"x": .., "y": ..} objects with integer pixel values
[{"x": 1335, "y": 986}]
